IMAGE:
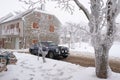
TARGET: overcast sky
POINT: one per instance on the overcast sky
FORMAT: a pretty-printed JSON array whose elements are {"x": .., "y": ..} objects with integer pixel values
[{"x": 7, "y": 6}]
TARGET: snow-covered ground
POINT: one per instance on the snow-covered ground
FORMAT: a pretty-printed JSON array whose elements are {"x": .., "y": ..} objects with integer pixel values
[{"x": 29, "y": 67}]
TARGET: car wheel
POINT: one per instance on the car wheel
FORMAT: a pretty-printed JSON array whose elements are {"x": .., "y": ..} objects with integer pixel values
[
  {"x": 50, "y": 55},
  {"x": 35, "y": 52},
  {"x": 30, "y": 51},
  {"x": 65, "y": 56}
]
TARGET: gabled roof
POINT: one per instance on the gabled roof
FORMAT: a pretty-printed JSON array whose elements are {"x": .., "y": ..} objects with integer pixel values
[
  {"x": 6, "y": 17},
  {"x": 20, "y": 15}
]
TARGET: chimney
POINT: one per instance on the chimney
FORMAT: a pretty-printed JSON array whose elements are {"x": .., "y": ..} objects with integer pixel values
[{"x": 43, "y": 7}]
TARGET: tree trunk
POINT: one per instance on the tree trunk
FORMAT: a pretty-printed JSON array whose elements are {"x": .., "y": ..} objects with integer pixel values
[
  {"x": 43, "y": 56},
  {"x": 101, "y": 61}
]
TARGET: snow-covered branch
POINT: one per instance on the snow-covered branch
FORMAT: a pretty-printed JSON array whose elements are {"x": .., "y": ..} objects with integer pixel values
[
  {"x": 66, "y": 5},
  {"x": 84, "y": 29},
  {"x": 31, "y": 3},
  {"x": 83, "y": 9}
]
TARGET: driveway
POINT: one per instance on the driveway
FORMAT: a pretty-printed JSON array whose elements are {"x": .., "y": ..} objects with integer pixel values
[{"x": 87, "y": 61}]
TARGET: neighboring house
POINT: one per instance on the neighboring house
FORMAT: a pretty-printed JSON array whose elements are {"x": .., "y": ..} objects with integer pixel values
[{"x": 26, "y": 28}]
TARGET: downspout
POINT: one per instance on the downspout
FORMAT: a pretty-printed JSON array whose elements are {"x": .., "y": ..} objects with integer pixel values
[{"x": 24, "y": 39}]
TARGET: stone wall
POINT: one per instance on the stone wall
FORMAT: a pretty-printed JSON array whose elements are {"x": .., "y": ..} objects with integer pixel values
[{"x": 44, "y": 22}]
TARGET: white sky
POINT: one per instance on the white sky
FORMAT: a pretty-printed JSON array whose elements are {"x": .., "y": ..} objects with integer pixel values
[{"x": 7, "y": 6}]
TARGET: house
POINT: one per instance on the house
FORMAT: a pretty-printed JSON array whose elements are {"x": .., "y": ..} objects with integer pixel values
[{"x": 26, "y": 28}]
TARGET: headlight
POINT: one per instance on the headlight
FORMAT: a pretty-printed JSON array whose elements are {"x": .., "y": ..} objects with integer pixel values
[
  {"x": 66, "y": 51},
  {"x": 62, "y": 51}
]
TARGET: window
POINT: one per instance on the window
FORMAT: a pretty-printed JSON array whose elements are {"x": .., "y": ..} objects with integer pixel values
[
  {"x": 51, "y": 29},
  {"x": 34, "y": 41},
  {"x": 35, "y": 25}
]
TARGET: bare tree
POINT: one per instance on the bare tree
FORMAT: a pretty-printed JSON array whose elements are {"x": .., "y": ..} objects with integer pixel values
[
  {"x": 63, "y": 33},
  {"x": 68, "y": 33},
  {"x": 31, "y": 3},
  {"x": 101, "y": 19},
  {"x": 101, "y": 42},
  {"x": 71, "y": 32},
  {"x": 75, "y": 31}
]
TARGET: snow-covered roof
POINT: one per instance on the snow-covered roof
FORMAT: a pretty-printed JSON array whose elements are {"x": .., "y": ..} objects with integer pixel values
[
  {"x": 22, "y": 14},
  {"x": 6, "y": 17},
  {"x": 18, "y": 16}
]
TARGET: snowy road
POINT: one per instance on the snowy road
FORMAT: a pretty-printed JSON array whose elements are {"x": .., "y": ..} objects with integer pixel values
[{"x": 89, "y": 62}]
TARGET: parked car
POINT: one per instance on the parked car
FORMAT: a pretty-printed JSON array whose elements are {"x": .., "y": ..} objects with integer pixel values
[{"x": 52, "y": 49}]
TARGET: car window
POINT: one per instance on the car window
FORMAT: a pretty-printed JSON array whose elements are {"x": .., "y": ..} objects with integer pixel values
[
  {"x": 44, "y": 44},
  {"x": 48, "y": 44},
  {"x": 51, "y": 44}
]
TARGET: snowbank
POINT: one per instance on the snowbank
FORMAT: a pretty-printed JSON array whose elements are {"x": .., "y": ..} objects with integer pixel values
[{"x": 29, "y": 68}]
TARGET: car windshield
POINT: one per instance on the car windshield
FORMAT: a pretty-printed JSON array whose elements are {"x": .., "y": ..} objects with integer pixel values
[
  {"x": 48, "y": 43},
  {"x": 51, "y": 44}
]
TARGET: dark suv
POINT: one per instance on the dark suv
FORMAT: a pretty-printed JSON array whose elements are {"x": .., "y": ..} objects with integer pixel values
[{"x": 53, "y": 50}]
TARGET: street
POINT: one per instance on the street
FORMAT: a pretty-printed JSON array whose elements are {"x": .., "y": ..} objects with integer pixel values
[{"x": 89, "y": 62}]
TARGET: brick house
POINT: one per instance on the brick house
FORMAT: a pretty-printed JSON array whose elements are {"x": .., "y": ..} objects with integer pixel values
[{"x": 26, "y": 28}]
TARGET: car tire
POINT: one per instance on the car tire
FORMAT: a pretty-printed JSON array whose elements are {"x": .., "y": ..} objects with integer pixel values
[
  {"x": 30, "y": 51},
  {"x": 65, "y": 56},
  {"x": 50, "y": 55},
  {"x": 35, "y": 52}
]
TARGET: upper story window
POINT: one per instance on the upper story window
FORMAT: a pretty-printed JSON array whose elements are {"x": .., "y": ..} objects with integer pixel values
[
  {"x": 51, "y": 28},
  {"x": 35, "y": 25},
  {"x": 34, "y": 41}
]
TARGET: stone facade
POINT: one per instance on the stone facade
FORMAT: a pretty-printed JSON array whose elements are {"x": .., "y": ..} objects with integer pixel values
[{"x": 41, "y": 27}]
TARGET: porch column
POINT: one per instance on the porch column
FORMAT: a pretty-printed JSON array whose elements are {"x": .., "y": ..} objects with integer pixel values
[{"x": 17, "y": 43}]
